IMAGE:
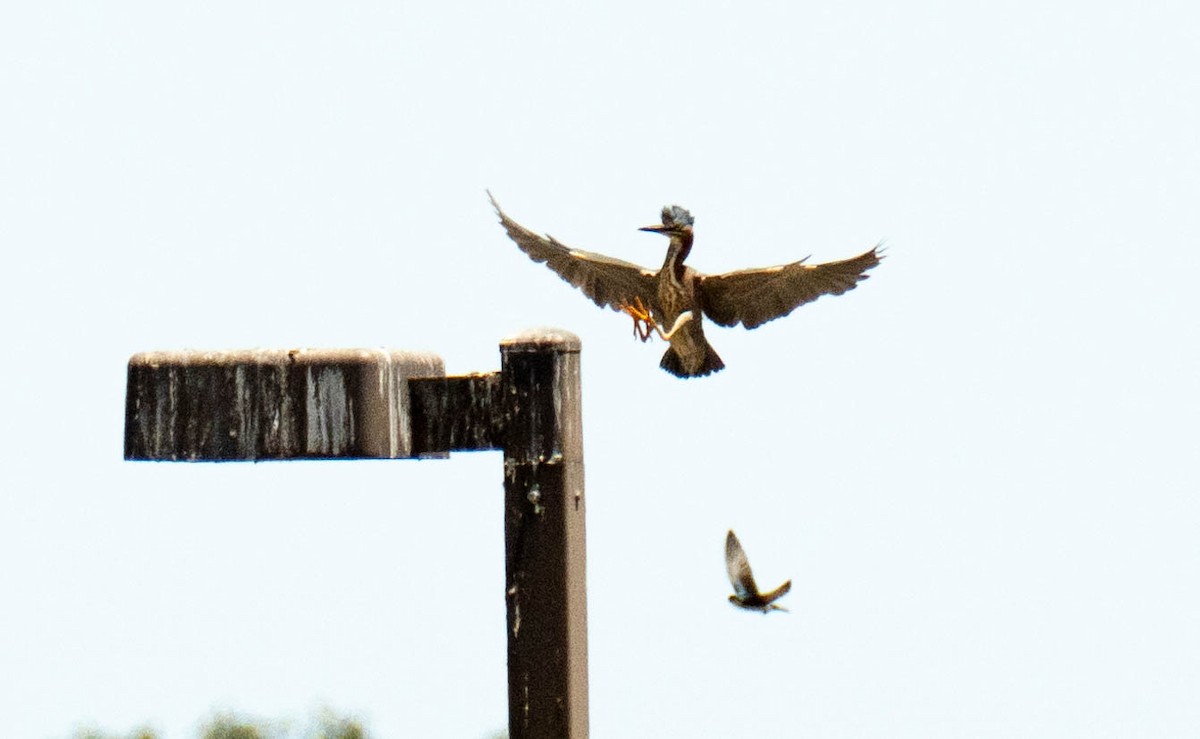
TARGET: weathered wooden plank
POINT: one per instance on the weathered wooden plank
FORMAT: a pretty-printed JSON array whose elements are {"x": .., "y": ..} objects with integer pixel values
[
  {"x": 456, "y": 414},
  {"x": 544, "y": 536},
  {"x": 272, "y": 404}
]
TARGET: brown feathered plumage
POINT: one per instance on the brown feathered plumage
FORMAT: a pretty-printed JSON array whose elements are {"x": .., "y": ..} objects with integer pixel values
[
  {"x": 745, "y": 592},
  {"x": 677, "y": 295}
]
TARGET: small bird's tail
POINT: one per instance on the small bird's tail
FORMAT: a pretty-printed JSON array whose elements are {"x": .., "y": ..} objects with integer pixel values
[{"x": 673, "y": 363}]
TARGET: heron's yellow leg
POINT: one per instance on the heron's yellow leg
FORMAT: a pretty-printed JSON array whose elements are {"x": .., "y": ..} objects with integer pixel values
[{"x": 643, "y": 321}]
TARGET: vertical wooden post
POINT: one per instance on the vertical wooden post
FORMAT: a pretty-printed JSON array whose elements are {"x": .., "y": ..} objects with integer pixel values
[{"x": 544, "y": 536}]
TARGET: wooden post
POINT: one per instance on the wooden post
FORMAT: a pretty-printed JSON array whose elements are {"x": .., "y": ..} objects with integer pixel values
[
  {"x": 544, "y": 536},
  {"x": 367, "y": 403}
]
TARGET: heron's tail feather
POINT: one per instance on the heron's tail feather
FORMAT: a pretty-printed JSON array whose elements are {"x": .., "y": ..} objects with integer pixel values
[{"x": 673, "y": 363}]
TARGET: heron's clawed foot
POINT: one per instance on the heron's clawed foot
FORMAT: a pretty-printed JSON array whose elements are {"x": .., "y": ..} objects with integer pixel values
[{"x": 643, "y": 322}]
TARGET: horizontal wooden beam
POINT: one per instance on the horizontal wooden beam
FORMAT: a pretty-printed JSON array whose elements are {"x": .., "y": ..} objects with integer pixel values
[
  {"x": 272, "y": 404},
  {"x": 456, "y": 414}
]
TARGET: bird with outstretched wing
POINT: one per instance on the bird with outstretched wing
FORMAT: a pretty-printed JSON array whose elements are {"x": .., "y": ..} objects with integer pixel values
[{"x": 678, "y": 296}]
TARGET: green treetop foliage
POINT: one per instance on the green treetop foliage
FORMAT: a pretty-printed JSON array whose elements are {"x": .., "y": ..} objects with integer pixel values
[{"x": 326, "y": 725}]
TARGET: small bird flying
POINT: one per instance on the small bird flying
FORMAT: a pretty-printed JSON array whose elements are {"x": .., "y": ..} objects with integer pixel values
[
  {"x": 678, "y": 296},
  {"x": 745, "y": 592}
]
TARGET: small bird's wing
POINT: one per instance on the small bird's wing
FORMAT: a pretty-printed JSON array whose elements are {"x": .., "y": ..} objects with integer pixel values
[
  {"x": 607, "y": 281},
  {"x": 754, "y": 296},
  {"x": 738, "y": 567},
  {"x": 777, "y": 593}
]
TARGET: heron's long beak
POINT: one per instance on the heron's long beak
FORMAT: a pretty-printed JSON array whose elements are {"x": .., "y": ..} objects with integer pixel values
[{"x": 657, "y": 229}]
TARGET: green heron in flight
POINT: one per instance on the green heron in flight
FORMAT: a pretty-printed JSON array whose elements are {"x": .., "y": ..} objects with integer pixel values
[
  {"x": 745, "y": 592},
  {"x": 678, "y": 296}
]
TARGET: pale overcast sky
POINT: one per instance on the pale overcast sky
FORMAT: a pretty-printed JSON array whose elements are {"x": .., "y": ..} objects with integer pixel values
[{"x": 979, "y": 468}]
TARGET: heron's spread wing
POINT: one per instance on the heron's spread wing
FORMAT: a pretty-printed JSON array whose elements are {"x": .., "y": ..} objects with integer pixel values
[
  {"x": 738, "y": 567},
  {"x": 754, "y": 296},
  {"x": 608, "y": 282}
]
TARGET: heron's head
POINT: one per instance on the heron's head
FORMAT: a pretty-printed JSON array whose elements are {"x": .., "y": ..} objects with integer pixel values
[{"x": 676, "y": 221}]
